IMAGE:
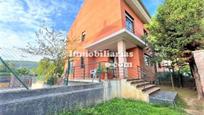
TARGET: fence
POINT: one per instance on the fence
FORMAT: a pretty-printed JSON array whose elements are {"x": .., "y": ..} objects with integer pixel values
[
  {"x": 87, "y": 71},
  {"x": 164, "y": 78},
  {"x": 14, "y": 74},
  {"x": 103, "y": 71},
  {"x": 16, "y": 69}
]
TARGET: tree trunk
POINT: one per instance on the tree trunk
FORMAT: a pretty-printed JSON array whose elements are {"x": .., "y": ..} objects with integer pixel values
[
  {"x": 172, "y": 78},
  {"x": 197, "y": 79},
  {"x": 180, "y": 76}
]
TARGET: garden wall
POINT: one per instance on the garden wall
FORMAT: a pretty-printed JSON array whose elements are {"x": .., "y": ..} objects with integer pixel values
[
  {"x": 164, "y": 78},
  {"x": 49, "y": 100}
]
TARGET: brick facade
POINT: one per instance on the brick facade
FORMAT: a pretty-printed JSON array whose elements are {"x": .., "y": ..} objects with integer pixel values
[{"x": 99, "y": 19}]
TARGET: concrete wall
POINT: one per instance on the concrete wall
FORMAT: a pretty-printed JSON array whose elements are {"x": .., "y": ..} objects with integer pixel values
[
  {"x": 199, "y": 60},
  {"x": 49, "y": 100},
  {"x": 131, "y": 92},
  {"x": 112, "y": 89},
  {"x": 123, "y": 89}
]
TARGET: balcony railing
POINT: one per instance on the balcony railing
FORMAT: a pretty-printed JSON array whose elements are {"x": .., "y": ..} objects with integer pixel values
[
  {"x": 103, "y": 72},
  {"x": 130, "y": 29}
]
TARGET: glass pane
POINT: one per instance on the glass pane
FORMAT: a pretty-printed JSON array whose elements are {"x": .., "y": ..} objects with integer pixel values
[{"x": 129, "y": 24}]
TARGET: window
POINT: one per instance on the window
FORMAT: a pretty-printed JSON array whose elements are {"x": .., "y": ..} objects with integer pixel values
[
  {"x": 82, "y": 62},
  {"x": 83, "y": 35},
  {"x": 129, "y": 21}
]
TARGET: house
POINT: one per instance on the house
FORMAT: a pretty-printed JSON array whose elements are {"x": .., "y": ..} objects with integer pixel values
[{"x": 114, "y": 28}]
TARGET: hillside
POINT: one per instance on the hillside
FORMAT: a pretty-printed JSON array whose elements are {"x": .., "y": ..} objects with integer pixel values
[{"x": 24, "y": 64}]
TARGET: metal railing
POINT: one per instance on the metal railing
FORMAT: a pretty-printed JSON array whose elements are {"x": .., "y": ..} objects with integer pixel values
[
  {"x": 84, "y": 71},
  {"x": 103, "y": 72}
]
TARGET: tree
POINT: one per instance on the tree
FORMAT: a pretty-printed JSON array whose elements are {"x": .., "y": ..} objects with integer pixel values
[
  {"x": 51, "y": 45},
  {"x": 23, "y": 71},
  {"x": 2, "y": 68},
  {"x": 176, "y": 31},
  {"x": 47, "y": 69}
]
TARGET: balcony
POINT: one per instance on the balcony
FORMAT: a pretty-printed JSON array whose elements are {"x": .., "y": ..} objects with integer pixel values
[{"x": 110, "y": 42}]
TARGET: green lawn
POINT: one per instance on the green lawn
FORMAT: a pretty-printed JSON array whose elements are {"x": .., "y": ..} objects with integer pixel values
[{"x": 126, "y": 107}]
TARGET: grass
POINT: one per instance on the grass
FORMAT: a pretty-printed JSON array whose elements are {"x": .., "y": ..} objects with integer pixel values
[{"x": 127, "y": 107}]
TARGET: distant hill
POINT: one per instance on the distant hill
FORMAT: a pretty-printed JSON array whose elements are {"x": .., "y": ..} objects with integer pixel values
[{"x": 22, "y": 64}]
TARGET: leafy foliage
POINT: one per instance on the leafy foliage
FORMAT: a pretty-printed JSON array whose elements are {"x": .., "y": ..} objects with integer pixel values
[
  {"x": 23, "y": 71},
  {"x": 177, "y": 29},
  {"x": 47, "y": 69},
  {"x": 185, "y": 70}
]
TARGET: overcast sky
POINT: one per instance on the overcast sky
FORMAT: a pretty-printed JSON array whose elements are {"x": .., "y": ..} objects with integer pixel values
[{"x": 20, "y": 19}]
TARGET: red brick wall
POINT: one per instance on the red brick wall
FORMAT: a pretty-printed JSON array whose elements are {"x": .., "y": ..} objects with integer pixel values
[
  {"x": 136, "y": 62},
  {"x": 138, "y": 24},
  {"x": 100, "y": 18}
]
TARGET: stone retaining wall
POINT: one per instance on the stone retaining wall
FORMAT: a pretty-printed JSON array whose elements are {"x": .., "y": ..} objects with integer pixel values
[
  {"x": 78, "y": 94},
  {"x": 49, "y": 100}
]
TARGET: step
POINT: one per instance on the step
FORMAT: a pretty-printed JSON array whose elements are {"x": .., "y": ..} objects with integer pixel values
[
  {"x": 147, "y": 87},
  {"x": 137, "y": 81},
  {"x": 141, "y": 84},
  {"x": 163, "y": 97},
  {"x": 132, "y": 79},
  {"x": 152, "y": 90}
]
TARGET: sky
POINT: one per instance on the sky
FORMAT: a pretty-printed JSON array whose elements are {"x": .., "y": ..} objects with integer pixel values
[
  {"x": 152, "y": 5},
  {"x": 20, "y": 19}
]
